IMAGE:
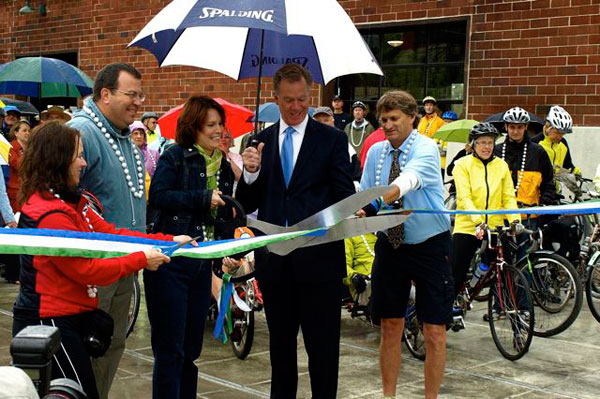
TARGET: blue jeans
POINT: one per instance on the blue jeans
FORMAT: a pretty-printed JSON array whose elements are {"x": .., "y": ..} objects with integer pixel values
[{"x": 178, "y": 297}]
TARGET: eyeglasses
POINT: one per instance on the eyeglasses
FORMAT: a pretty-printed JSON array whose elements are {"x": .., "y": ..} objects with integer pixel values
[
  {"x": 484, "y": 143},
  {"x": 133, "y": 95}
]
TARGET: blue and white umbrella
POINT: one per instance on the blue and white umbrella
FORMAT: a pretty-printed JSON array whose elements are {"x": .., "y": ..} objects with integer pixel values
[{"x": 229, "y": 37}]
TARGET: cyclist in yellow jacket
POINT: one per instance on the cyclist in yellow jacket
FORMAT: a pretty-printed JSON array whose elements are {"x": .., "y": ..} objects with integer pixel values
[
  {"x": 483, "y": 181},
  {"x": 558, "y": 123},
  {"x": 429, "y": 124}
]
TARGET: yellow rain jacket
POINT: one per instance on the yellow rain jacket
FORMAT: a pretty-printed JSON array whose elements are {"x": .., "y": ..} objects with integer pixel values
[
  {"x": 358, "y": 258},
  {"x": 482, "y": 186},
  {"x": 559, "y": 153},
  {"x": 428, "y": 125}
]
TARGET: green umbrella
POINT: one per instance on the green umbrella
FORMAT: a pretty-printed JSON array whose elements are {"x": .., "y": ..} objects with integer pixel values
[
  {"x": 457, "y": 131},
  {"x": 43, "y": 77}
]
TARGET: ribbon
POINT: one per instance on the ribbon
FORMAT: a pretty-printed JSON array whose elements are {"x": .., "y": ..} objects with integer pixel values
[
  {"x": 222, "y": 331},
  {"x": 578, "y": 208},
  {"x": 50, "y": 242}
]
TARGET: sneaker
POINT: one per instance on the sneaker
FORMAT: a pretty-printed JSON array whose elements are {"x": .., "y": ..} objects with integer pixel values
[
  {"x": 495, "y": 316},
  {"x": 457, "y": 311}
]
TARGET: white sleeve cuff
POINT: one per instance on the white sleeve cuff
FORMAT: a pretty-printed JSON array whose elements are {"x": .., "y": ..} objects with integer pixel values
[
  {"x": 250, "y": 177},
  {"x": 407, "y": 181}
]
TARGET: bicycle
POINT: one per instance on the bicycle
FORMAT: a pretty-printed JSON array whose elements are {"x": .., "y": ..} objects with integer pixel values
[
  {"x": 511, "y": 325},
  {"x": 555, "y": 287},
  {"x": 589, "y": 260},
  {"x": 134, "y": 305},
  {"x": 412, "y": 334}
]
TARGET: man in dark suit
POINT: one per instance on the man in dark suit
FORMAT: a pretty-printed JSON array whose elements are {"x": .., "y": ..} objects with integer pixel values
[{"x": 299, "y": 168}]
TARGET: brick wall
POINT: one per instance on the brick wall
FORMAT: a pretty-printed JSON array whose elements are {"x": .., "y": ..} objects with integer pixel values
[{"x": 528, "y": 53}]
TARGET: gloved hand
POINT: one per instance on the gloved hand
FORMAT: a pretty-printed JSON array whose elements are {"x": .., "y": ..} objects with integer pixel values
[{"x": 359, "y": 281}]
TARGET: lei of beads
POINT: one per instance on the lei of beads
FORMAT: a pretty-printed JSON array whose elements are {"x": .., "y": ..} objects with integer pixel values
[
  {"x": 411, "y": 140},
  {"x": 92, "y": 290},
  {"x": 369, "y": 250},
  {"x": 362, "y": 135},
  {"x": 136, "y": 192},
  {"x": 521, "y": 172}
]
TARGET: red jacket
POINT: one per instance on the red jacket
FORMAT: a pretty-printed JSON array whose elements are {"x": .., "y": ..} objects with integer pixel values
[
  {"x": 375, "y": 137},
  {"x": 14, "y": 181},
  {"x": 57, "y": 286}
]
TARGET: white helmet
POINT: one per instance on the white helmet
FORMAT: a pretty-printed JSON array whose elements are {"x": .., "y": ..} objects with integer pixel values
[
  {"x": 516, "y": 115},
  {"x": 560, "y": 119}
]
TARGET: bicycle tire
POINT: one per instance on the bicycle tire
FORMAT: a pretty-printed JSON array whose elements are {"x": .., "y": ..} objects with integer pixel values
[
  {"x": 413, "y": 335},
  {"x": 554, "y": 279},
  {"x": 134, "y": 307},
  {"x": 592, "y": 287},
  {"x": 242, "y": 347},
  {"x": 512, "y": 289}
]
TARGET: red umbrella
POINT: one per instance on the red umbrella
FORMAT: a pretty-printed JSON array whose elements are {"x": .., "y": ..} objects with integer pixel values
[{"x": 236, "y": 119}]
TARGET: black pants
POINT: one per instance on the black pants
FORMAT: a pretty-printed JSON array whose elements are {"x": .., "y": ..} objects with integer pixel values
[
  {"x": 314, "y": 307},
  {"x": 72, "y": 361},
  {"x": 464, "y": 247},
  {"x": 12, "y": 265},
  {"x": 178, "y": 297}
]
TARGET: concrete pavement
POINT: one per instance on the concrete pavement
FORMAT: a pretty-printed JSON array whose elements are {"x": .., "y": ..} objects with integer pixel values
[{"x": 565, "y": 366}]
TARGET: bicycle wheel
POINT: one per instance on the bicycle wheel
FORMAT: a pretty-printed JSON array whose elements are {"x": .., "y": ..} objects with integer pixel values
[
  {"x": 134, "y": 305},
  {"x": 413, "y": 333},
  {"x": 556, "y": 291},
  {"x": 512, "y": 323},
  {"x": 242, "y": 335},
  {"x": 592, "y": 288}
]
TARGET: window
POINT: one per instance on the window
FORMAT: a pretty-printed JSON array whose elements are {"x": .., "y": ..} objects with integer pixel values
[{"x": 429, "y": 62}]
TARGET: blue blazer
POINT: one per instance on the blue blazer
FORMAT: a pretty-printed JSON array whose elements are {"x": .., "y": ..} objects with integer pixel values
[{"x": 322, "y": 176}]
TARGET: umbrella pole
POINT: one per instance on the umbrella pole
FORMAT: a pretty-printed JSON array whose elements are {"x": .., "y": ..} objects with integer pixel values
[{"x": 253, "y": 141}]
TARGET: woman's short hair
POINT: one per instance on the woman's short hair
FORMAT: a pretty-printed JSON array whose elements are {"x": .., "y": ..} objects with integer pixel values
[
  {"x": 193, "y": 117},
  {"x": 16, "y": 126},
  {"x": 397, "y": 99},
  {"x": 46, "y": 161}
]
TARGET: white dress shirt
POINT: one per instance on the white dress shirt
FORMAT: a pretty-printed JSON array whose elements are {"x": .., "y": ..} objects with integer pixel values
[{"x": 297, "y": 138}]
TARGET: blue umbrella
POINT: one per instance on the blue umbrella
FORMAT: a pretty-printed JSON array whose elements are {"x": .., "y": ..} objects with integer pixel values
[
  {"x": 267, "y": 112},
  {"x": 247, "y": 38},
  {"x": 43, "y": 77}
]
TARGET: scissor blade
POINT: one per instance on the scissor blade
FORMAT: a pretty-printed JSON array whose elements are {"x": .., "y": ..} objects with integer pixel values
[
  {"x": 329, "y": 216},
  {"x": 347, "y": 228}
]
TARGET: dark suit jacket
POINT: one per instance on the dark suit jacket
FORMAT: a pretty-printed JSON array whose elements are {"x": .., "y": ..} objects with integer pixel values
[{"x": 321, "y": 177}]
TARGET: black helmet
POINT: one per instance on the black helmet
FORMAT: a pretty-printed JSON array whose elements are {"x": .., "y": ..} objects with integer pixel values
[
  {"x": 483, "y": 129},
  {"x": 359, "y": 104}
]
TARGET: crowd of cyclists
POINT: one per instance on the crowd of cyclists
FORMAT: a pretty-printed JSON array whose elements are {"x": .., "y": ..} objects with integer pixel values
[{"x": 519, "y": 172}]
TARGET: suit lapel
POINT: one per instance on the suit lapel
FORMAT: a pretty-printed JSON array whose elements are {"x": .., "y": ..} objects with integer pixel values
[{"x": 275, "y": 156}]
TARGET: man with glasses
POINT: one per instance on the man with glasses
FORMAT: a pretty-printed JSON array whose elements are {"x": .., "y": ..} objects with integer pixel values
[{"x": 115, "y": 175}]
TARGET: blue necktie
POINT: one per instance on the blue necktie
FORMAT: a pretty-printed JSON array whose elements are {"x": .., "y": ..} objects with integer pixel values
[{"x": 287, "y": 155}]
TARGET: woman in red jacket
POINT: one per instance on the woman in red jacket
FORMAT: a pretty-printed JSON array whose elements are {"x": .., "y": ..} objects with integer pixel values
[{"x": 61, "y": 291}]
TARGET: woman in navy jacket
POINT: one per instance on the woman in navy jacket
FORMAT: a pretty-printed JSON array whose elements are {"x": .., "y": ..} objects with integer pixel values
[{"x": 186, "y": 193}]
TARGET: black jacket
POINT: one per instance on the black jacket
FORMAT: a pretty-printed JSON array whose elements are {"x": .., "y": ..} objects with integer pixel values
[
  {"x": 179, "y": 200},
  {"x": 537, "y": 185},
  {"x": 322, "y": 176}
]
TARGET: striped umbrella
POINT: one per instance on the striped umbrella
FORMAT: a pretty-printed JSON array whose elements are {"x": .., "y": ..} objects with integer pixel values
[{"x": 44, "y": 77}]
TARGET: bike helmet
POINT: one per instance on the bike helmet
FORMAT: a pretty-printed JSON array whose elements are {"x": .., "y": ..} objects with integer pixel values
[
  {"x": 450, "y": 115},
  {"x": 429, "y": 99},
  {"x": 560, "y": 119},
  {"x": 483, "y": 129},
  {"x": 359, "y": 104},
  {"x": 516, "y": 115}
]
